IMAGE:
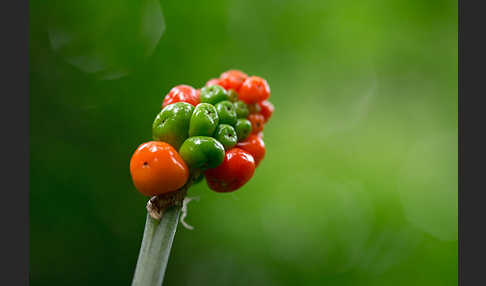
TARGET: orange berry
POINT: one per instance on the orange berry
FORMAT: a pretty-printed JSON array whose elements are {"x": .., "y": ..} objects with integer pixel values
[
  {"x": 232, "y": 79},
  {"x": 254, "y": 89},
  {"x": 257, "y": 121},
  {"x": 157, "y": 168}
]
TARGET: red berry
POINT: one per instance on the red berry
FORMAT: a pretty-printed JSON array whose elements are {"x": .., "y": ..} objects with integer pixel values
[
  {"x": 255, "y": 146},
  {"x": 257, "y": 121},
  {"x": 232, "y": 79},
  {"x": 237, "y": 168},
  {"x": 181, "y": 93},
  {"x": 213, "y": 81},
  {"x": 254, "y": 89},
  {"x": 266, "y": 109}
]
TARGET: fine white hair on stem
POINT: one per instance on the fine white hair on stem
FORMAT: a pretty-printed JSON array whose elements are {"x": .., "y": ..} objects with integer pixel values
[{"x": 186, "y": 201}]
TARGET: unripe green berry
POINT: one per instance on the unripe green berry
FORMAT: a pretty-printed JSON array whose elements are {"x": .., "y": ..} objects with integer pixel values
[
  {"x": 226, "y": 112},
  {"x": 226, "y": 134},
  {"x": 241, "y": 109},
  {"x": 204, "y": 120},
  {"x": 202, "y": 152},
  {"x": 213, "y": 94},
  {"x": 172, "y": 123},
  {"x": 243, "y": 128}
]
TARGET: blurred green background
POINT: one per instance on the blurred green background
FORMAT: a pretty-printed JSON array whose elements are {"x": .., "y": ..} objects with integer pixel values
[{"x": 359, "y": 184}]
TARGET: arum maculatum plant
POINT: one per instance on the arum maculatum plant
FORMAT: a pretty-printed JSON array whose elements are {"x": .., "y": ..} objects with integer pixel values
[{"x": 212, "y": 134}]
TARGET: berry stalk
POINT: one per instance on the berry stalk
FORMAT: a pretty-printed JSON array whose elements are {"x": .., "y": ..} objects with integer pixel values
[
  {"x": 163, "y": 213},
  {"x": 155, "y": 250}
]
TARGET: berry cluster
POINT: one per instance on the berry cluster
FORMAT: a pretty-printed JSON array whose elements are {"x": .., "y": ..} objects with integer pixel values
[{"x": 214, "y": 132}]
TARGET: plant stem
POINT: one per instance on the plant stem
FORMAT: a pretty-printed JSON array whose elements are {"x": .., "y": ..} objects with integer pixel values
[{"x": 156, "y": 244}]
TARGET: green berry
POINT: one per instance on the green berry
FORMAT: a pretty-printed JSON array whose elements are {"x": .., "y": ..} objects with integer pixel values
[
  {"x": 241, "y": 109},
  {"x": 243, "y": 128},
  {"x": 213, "y": 94},
  {"x": 226, "y": 112},
  {"x": 226, "y": 134},
  {"x": 202, "y": 152},
  {"x": 204, "y": 120},
  {"x": 172, "y": 123}
]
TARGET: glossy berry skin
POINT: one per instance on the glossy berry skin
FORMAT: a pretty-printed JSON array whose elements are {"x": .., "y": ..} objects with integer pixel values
[
  {"x": 204, "y": 120},
  {"x": 157, "y": 168},
  {"x": 181, "y": 93},
  {"x": 171, "y": 125},
  {"x": 266, "y": 109},
  {"x": 236, "y": 170},
  {"x": 255, "y": 146},
  {"x": 241, "y": 109},
  {"x": 226, "y": 112},
  {"x": 232, "y": 79},
  {"x": 202, "y": 152},
  {"x": 213, "y": 94},
  {"x": 254, "y": 89},
  {"x": 226, "y": 135},
  {"x": 257, "y": 122},
  {"x": 243, "y": 128},
  {"x": 213, "y": 81}
]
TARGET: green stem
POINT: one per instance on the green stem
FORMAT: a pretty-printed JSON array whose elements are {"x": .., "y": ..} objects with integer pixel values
[{"x": 154, "y": 253}]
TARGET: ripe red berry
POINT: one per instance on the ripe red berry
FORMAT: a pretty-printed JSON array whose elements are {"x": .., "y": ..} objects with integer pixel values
[
  {"x": 257, "y": 121},
  {"x": 181, "y": 93},
  {"x": 255, "y": 146},
  {"x": 232, "y": 79},
  {"x": 213, "y": 81},
  {"x": 254, "y": 89},
  {"x": 266, "y": 109},
  {"x": 237, "y": 168},
  {"x": 157, "y": 168}
]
